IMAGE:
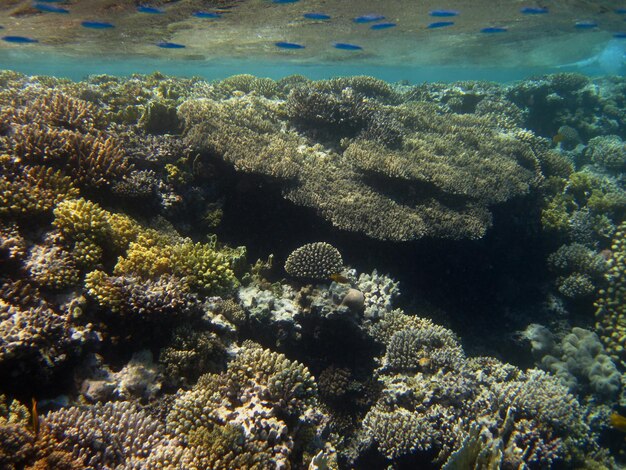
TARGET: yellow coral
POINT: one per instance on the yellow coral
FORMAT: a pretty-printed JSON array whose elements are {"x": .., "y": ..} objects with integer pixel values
[
  {"x": 80, "y": 219},
  {"x": 204, "y": 268}
]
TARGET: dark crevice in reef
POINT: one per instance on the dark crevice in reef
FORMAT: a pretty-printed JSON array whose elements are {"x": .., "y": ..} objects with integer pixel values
[{"x": 414, "y": 192}]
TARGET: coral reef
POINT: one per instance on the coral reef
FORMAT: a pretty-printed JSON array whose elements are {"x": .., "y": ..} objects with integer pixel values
[
  {"x": 428, "y": 407},
  {"x": 146, "y": 343}
]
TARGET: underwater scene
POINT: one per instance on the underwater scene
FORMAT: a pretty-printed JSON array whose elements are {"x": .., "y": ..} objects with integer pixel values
[{"x": 312, "y": 234}]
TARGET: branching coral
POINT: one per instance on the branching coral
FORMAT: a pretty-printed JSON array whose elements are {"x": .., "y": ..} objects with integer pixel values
[
  {"x": 113, "y": 435},
  {"x": 64, "y": 133},
  {"x": 200, "y": 264},
  {"x": 260, "y": 401},
  {"x": 31, "y": 190},
  {"x": 35, "y": 340},
  {"x": 580, "y": 270}
]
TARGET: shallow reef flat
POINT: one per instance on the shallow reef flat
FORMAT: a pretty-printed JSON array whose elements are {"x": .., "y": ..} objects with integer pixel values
[{"x": 343, "y": 273}]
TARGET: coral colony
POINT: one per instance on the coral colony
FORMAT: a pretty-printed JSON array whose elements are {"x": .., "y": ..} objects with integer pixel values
[{"x": 136, "y": 334}]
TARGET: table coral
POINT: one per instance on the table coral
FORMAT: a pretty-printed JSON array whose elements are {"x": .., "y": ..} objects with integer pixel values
[{"x": 399, "y": 173}]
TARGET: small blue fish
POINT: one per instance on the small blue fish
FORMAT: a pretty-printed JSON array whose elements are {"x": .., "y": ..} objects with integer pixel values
[
  {"x": 534, "y": 10},
  {"x": 443, "y": 13},
  {"x": 288, "y": 45},
  {"x": 493, "y": 30},
  {"x": 49, "y": 8},
  {"x": 170, "y": 45},
  {"x": 97, "y": 25},
  {"x": 206, "y": 14},
  {"x": 370, "y": 18},
  {"x": 19, "y": 39},
  {"x": 150, "y": 10},
  {"x": 585, "y": 25},
  {"x": 620, "y": 11},
  {"x": 620, "y": 35},
  {"x": 440, "y": 24},
  {"x": 344, "y": 46},
  {"x": 285, "y": 1},
  {"x": 383, "y": 26},
  {"x": 316, "y": 16}
]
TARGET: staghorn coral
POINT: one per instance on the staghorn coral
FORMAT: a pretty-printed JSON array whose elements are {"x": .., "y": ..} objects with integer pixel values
[{"x": 318, "y": 260}]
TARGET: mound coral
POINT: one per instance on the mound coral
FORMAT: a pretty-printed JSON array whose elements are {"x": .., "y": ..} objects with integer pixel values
[{"x": 318, "y": 260}]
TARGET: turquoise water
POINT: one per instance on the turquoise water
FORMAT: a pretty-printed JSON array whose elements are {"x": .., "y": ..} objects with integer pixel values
[{"x": 226, "y": 243}]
